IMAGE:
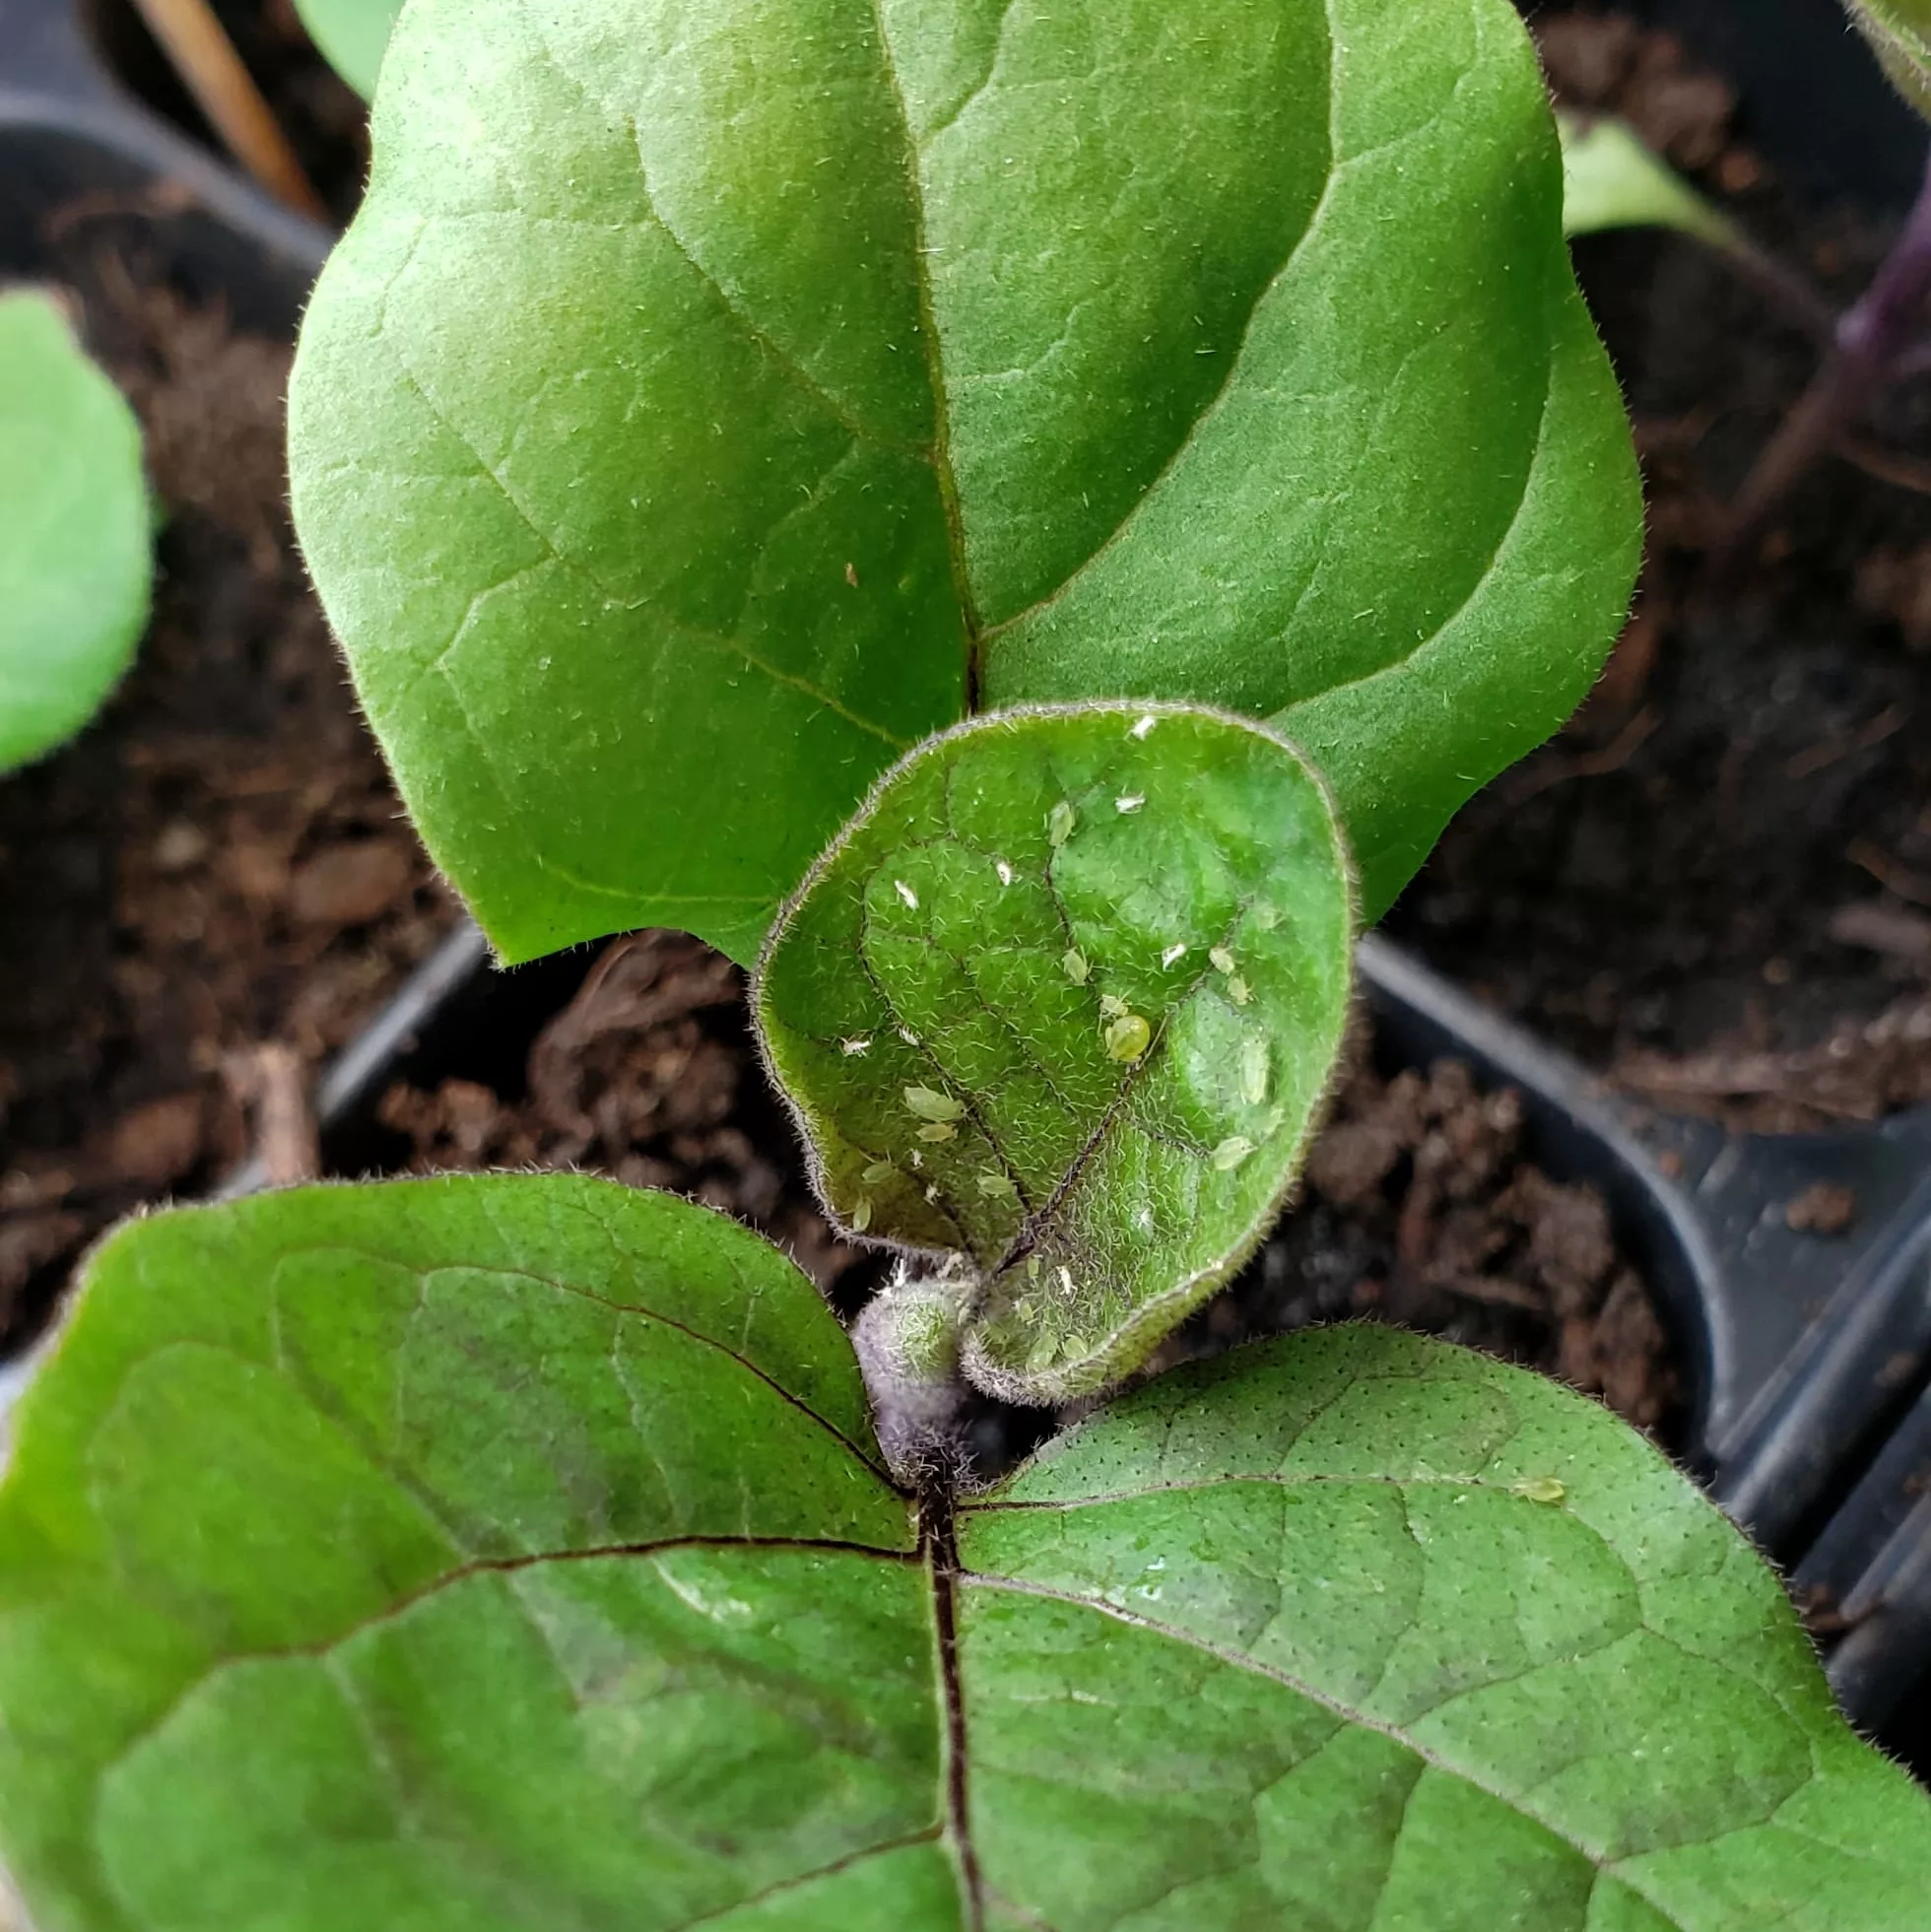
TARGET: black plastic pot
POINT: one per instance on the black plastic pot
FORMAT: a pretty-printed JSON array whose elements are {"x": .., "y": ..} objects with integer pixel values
[
  {"x": 1813, "y": 101},
  {"x": 75, "y": 146},
  {"x": 1808, "y": 1359}
]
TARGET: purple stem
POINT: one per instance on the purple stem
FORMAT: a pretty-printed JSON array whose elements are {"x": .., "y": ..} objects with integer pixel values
[{"x": 1871, "y": 338}]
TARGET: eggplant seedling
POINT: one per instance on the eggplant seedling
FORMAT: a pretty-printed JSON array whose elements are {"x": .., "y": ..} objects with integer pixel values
[
  {"x": 76, "y": 532},
  {"x": 1023, "y": 522},
  {"x": 351, "y": 36},
  {"x": 1615, "y": 181}
]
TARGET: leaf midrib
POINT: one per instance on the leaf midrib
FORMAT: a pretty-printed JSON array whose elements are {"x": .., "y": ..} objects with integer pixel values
[{"x": 934, "y": 354}]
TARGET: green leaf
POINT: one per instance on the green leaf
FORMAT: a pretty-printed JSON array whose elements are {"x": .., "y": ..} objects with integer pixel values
[
  {"x": 75, "y": 532},
  {"x": 352, "y": 34},
  {"x": 372, "y": 1556},
  {"x": 1454, "y": 1648},
  {"x": 711, "y": 401},
  {"x": 1612, "y": 179},
  {"x": 506, "y": 1555},
  {"x": 1900, "y": 33},
  {"x": 1064, "y": 998}
]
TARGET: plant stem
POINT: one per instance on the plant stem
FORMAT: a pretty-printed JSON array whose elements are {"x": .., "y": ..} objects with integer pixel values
[{"x": 1871, "y": 340}]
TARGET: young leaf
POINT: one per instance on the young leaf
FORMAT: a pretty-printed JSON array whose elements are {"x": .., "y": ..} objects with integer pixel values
[
  {"x": 75, "y": 532},
  {"x": 709, "y": 401},
  {"x": 1612, "y": 179},
  {"x": 1900, "y": 33},
  {"x": 350, "y": 35},
  {"x": 505, "y": 1555},
  {"x": 1064, "y": 997}
]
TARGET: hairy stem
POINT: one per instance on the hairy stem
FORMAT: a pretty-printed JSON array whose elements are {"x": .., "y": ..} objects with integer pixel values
[{"x": 1871, "y": 341}]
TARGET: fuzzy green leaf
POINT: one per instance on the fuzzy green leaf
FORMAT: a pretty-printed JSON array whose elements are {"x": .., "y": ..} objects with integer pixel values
[
  {"x": 711, "y": 401},
  {"x": 76, "y": 532},
  {"x": 506, "y": 1555},
  {"x": 1064, "y": 999},
  {"x": 350, "y": 35},
  {"x": 375, "y": 1557},
  {"x": 1900, "y": 33},
  {"x": 1455, "y": 1650}
]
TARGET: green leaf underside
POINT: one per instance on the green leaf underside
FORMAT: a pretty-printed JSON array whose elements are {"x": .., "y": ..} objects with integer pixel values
[
  {"x": 75, "y": 532},
  {"x": 350, "y": 35},
  {"x": 952, "y": 1003},
  {"x": 506, "y": 1555},
  {"x": 703, "y": 390},
  {"x": 1900, "y": 33}
]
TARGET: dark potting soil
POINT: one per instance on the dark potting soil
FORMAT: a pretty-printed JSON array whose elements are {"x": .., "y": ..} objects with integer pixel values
[
  {"x": 213, "y": 886},
  {"x": 1421, "y": 1206},
  {"x": 1716, "y": 883}
]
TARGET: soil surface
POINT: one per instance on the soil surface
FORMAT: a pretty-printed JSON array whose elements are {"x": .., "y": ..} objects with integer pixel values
[
  {"x": 1421, "y": 1206},
  {"x": 211, "y": 890},
  {"x": 1716, "y": 883}
]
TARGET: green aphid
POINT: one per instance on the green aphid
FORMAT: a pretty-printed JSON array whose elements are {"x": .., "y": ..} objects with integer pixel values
[
  {"x": 861, "y": 1215},
  {"x": 1253, "y": 1071},
  {"x": 1231, "y": 1153},
  {"x": 1060, "y": 821},
  {"x": 1540, "y": 1489},
  {"x": 930, "y": 1105},
  {"x": 878, "y": 1173},
  {"x": 939, "y": 1130},
  {"x": 1073, "y": 962},
  {"x": 996, "y": 1186},
  {"x": 1128, "y": 1038}
]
